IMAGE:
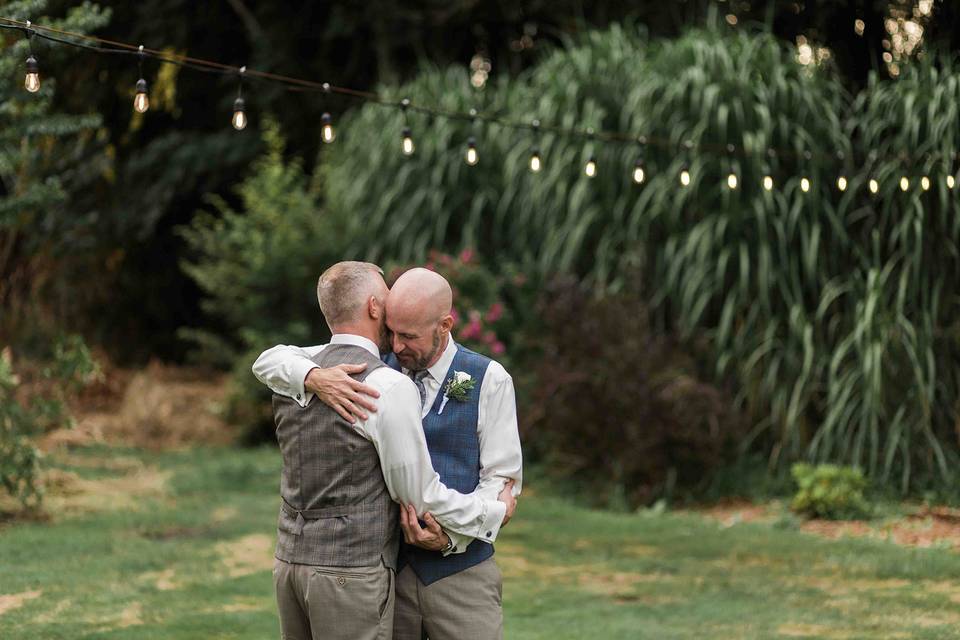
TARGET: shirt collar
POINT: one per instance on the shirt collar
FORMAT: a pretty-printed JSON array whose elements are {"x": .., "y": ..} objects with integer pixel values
[
  {"x": 441, "y": 366},
  {"x": 356, "y": 341}
]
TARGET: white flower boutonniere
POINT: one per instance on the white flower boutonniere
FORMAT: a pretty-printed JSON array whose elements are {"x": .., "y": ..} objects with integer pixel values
[{"x": 458, "y": 387}]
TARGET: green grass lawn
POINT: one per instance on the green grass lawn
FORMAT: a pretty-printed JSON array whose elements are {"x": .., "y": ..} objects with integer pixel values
[{"x": 179, "y": 545}]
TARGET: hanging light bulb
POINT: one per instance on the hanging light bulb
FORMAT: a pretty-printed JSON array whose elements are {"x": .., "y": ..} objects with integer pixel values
[
  {"x": 639, "y": 175},
  {"x": 327, "y": 133},
  {"x": 842, "y": 183},
  {"x": 471, "y": 156},
  {"x": 951, "y": 182},
  {"x": 732, "y": 181},
  {"x": 590, "y": 169},
  {"x": 874, "y": 185},
  {"x": 407, "y": 144},
  {"x": 768, "y": 182},
  {"x": 239, "y": 120},
  {"x": 141, "y": 102},
  {"x": 904, "y": 183},
  {"x": 925, "y": 183},
  {"x": 32, "y": 80},
  {"x": 535, "y": 162},
  {"x": 804, "y": 185},
  {"x": 685, "y": 177}
]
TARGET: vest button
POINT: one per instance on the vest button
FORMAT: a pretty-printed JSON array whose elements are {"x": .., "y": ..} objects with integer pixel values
[
  {"x": 454, "y": 550},
  {"x": 489, "y": 533},
  {"x": 341, "y": 580}
]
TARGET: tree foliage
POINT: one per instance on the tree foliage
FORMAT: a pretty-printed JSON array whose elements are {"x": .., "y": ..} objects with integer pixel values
[{"x": 45, "y": 156}]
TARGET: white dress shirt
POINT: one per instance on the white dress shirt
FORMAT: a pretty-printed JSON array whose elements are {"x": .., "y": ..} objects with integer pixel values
[
  {"x": 284, "y": 368},
  {"x": 396, "y": 432}
]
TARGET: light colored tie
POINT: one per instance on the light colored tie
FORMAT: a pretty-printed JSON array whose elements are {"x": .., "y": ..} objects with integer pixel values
[{"x": 417, "y": 378}]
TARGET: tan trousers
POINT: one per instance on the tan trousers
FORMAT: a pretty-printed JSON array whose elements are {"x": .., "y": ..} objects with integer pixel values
[
  {"x": 464, "y": 605},
  {"x": 320, "y": 603}
]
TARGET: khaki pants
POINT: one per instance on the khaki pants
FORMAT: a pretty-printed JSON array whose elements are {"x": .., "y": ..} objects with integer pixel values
[
  {"x": 348, "y": 603},
  {"x": 464, "y": 605}
]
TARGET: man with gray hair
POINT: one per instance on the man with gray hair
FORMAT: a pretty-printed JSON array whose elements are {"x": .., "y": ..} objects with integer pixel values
[
  {"x": 448, "y": 586},
  {"x": 338, "y": 527}
]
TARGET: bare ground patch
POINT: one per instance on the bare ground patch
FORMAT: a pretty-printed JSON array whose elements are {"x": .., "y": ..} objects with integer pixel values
[
  {"x": 158, "y": 407},
  {"x": 13, "y": 601},
  {"x": 247, "y": 555}
]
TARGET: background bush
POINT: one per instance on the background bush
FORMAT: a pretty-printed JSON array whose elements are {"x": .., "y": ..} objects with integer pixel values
[
  {"x": 28, "y": 410},
  {"x": 258, "y": 267},
  {"x": 829, "y": 491},
  {"x": 618, "y": 409}
]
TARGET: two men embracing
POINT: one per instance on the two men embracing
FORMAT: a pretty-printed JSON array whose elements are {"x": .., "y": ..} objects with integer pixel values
[{"x": 423, "y": 442}]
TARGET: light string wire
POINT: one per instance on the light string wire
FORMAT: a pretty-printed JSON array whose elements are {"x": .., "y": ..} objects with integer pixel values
[{"x": 113, "y": 47}]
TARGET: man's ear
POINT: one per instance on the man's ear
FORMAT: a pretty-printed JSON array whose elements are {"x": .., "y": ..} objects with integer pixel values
[
  {"x": 446, "y": 324},
  {"x": 374, "y": 307}
]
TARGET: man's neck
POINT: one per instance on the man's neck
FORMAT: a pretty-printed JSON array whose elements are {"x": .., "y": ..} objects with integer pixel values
[{"x": 356, "y": 330}]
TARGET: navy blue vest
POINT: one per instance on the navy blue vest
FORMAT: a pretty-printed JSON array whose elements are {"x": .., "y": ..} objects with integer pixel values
[{"x": 455, "y": 453}]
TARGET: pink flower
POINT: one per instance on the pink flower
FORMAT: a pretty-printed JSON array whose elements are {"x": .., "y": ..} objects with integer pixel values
[
  {"x": 472, "y": 331},
  {"x": 489, "y": 337},
  {"x": 495, "y": 312},
  {"x": 498, "y": 347},
  {"x": 466, "y": 256}
]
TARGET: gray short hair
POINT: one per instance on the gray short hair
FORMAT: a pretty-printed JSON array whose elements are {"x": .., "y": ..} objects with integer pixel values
[{"x": 344, "y": 289}]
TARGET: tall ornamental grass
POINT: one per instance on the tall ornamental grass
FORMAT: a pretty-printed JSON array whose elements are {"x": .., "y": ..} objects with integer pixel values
[{"x": 832, "y": 313}]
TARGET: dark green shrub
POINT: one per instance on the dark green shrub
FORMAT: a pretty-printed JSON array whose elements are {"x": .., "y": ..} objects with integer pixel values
[
  {"x": 829, "y": 491},
  {"x": 25, "y": 413},
  {"x": 618, "y": 410}
]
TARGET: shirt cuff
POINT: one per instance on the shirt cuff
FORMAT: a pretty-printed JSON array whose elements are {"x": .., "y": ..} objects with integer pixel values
[
  {"x": 299, "y": 370},
  {"x": 492, "y": 520},
  {"x": 460, "y": 543}
]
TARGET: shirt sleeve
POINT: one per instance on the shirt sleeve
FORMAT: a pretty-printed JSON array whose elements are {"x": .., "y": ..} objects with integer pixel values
[
  {"x": 501, "y": 458},
  {"x": 283, "y": 368},
  {"x": 397, "y": 434}
]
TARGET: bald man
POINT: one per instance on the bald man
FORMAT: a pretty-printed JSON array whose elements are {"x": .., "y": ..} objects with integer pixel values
[{"x": 448, "y": 584}]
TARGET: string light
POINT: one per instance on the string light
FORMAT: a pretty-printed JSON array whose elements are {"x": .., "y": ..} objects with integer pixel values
[
  {"x": 768, "y": 179},
  {"x": 842, "y": 179},
  {"x": 732, "y": 176},
  {"x": 590, "y": 169},
  {"x": 685, "y": 168},
  {"x": 141, "y": 101},
  {"x": 31, "y": 81},
  {"x": 471, "y": 155},
  {"x": 535, "y": 162},
  {"x": 239, "y": 120},
  {"x": 406, "y": 144},
  {"x": 327, "y": 133},
  {"x": 639, "y": 174}
]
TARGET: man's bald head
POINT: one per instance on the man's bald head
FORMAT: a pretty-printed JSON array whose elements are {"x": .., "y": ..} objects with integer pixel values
[
  {"x": 420, "y": 297},
  {"x": 418, "y": 314}
]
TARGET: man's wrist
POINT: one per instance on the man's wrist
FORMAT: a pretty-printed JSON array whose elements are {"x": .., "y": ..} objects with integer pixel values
[{"x": 449, "y": 545}]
